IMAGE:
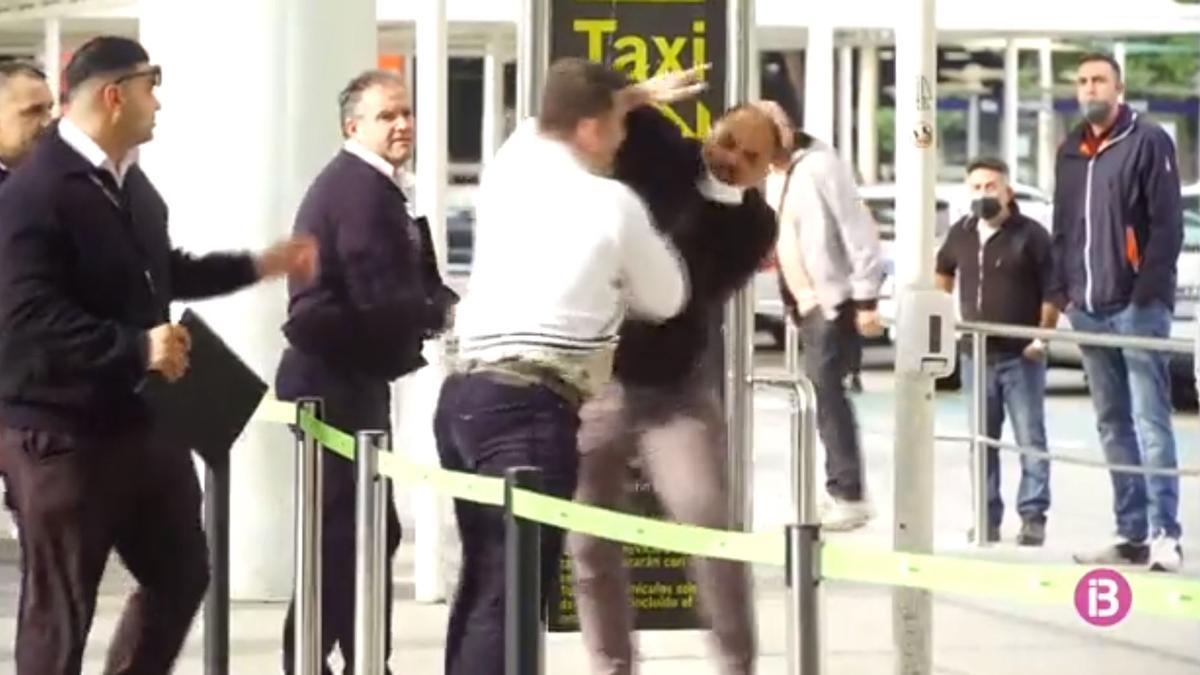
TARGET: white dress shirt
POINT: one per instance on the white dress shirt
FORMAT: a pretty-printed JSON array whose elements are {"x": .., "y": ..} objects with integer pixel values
[{"x": 85, "y": 145}]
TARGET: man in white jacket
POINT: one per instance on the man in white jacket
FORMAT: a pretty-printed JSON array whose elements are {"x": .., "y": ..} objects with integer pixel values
[{"x": 830, "y": 260}]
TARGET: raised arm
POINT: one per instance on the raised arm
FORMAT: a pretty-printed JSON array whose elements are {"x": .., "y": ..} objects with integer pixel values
[{"x": 653, "y": 274}]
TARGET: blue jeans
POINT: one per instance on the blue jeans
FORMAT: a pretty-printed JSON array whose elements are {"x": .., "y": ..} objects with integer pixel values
[
  {"x": 1131, "y": 391},
  {"x": 1018, "y": 385},
  {"x": 484, "y": 426}
]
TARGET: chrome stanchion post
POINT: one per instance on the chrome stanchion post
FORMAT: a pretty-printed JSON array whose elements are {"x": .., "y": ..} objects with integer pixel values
[
  {"x": 216, "y": 599},
  {"x": 308, "y": 542},
  {"x": 739, "y": 310},
  {"x": 804, "y": 599},
  {"x": 803, "y": 424},
  {"x": 804, "y": 537},
  {"x": 379, "y": 555},
  {"x": 523, "y": 579},
  {"x": 978, "y": 427},
  {"x": 370, "y": 525}
]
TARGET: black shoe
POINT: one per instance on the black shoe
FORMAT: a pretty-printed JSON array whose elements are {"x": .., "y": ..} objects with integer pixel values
[
  {"x": 1033, "y": 532},
  {"x": 1121, "y": 553},
  {"x": 854, "y": 383},
  {"x": 993, "y": 534}
]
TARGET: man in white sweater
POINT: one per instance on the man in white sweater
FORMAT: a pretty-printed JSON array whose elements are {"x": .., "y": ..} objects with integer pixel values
[
  {"x": 562, "y": 254},
  {"x": 830, "y": 260}
]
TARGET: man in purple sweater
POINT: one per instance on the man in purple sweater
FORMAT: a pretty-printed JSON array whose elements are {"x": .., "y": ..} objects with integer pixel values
[{"x": 362, "y": 323}]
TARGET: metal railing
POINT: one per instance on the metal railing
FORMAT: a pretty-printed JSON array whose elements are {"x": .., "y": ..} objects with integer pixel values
[
  {"x": 804, "y": 536},
  {"x": 977, "y": 420},
  {"x": 370, "y": 550},
  {"x": 524, "y": 653},
  {"x": 309, "y": 494}
]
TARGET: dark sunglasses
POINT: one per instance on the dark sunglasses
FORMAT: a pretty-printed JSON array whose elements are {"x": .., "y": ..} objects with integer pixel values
[{"x": 153, "y": 72}]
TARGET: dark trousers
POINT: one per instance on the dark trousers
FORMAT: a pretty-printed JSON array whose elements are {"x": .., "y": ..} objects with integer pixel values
[
  {"x": 484, "y": 427},
  {"x": 78, "y": 498},
  {"x": 368, "y": 408},
  {"x": 830, "y": 346}
]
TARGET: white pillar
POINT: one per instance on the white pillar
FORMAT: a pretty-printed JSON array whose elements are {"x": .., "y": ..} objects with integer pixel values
[
  {"x": 868, "y": 108},
  {"x": 972, "y": 127},
  {"x": 818, "y": 82},
  {"x": 409, "y": 72},
  {"x": 285, "y": 62},
  {"x": 493, "y": 100},
  {"x": 916, "y": 166},
  {"x": 753, "y": 63},
  {"x": 1119, "y": 55},
  {"x": 845, "y": 113},
  {"x": 420, "y": 390},
  {"x": 52, "y": 55},
  {"x": 1012, "y": 103},
  {"x": 1047, "y": 130}
]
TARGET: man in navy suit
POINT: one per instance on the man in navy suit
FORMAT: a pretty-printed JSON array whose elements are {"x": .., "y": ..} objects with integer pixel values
[
  {"x": 363, "y": 321},
  {"x": 25, "y": 109},
  {"x": 26, "y": 106}
]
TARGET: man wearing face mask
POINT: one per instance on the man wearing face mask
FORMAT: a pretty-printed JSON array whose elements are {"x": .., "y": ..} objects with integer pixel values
[
  {"x": 1003, "y": 265},
  {"x": 1118, "y": 229}
]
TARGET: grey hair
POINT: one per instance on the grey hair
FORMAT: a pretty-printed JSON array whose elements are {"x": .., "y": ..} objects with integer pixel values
[{"x": 351, "y": 95}]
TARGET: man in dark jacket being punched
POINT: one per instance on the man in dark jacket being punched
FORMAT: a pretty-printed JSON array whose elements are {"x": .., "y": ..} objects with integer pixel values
[
  {"x": 661, "y": 406},
  {"x": 1118, "y": 228},
  {"x": 362, "y": 323}
]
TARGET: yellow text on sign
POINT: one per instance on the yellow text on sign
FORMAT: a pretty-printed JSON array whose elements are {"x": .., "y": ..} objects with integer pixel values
[{"x": 633, "y": 56}]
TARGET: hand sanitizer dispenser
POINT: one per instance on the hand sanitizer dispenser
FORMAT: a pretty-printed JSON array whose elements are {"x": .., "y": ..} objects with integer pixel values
[{"x": 925, "y": 343}]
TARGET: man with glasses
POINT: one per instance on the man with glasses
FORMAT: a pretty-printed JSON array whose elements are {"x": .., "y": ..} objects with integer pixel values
[{"x": 87, "y": 274}]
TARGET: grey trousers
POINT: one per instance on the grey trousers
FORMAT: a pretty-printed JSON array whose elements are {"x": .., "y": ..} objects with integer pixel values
[{"x": 679, "y": 434}]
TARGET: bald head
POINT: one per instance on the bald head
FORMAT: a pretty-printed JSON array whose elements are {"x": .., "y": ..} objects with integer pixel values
[{"x": 741, "y": 146}]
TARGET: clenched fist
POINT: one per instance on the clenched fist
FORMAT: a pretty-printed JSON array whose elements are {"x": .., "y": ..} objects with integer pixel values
[
  {"x": 868, "y": 323},
  {"x": 169, "y": 347},
  {"x": 295, "y": 257}
]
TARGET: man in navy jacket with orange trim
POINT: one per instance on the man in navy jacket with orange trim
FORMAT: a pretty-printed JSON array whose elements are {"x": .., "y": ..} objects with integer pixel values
[{"x": 1118, "y": 228}]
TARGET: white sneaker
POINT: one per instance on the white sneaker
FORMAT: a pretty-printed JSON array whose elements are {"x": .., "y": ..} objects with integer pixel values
[
  {"x": 841, "y": 515},
  {"x": 1166, "y": 555}
]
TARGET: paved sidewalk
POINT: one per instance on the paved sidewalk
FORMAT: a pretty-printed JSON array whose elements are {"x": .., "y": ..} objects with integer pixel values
[{"x": 970, "y": 637}]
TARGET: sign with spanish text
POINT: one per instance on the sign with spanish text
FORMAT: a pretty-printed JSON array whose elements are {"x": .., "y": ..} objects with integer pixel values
[{"x": 644, "y": 38}]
